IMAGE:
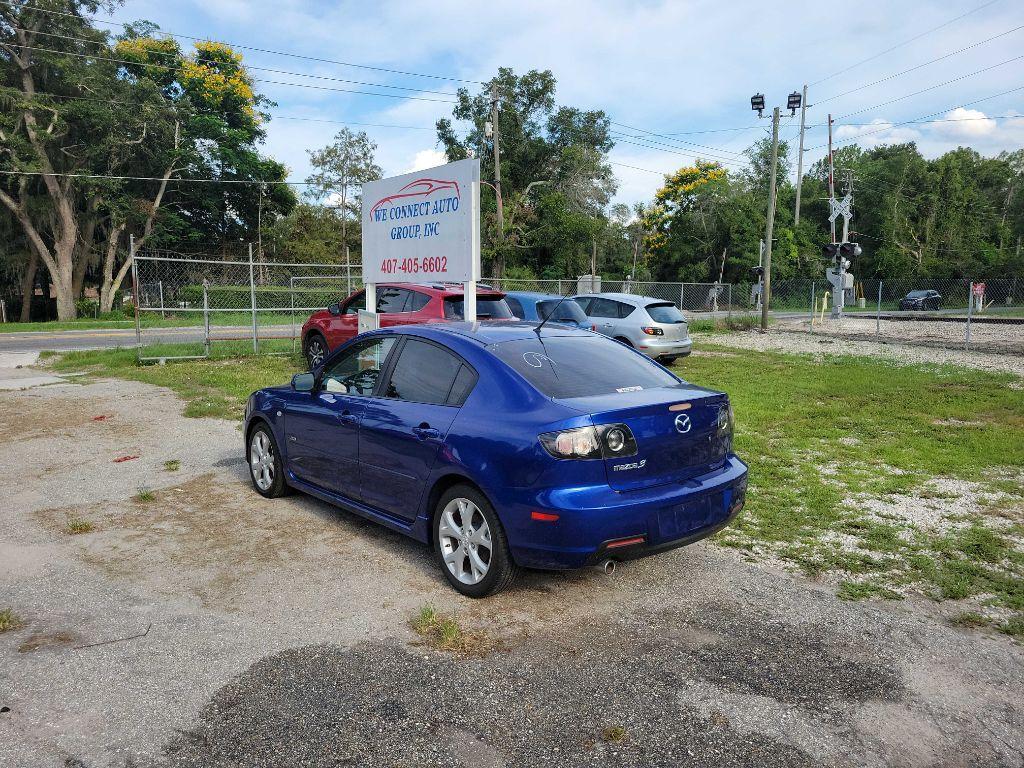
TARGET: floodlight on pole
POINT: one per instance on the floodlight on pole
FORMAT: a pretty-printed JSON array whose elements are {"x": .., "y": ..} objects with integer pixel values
[
  {"x": 793, "y": 102},
  {"x": 757, "y": 104}
]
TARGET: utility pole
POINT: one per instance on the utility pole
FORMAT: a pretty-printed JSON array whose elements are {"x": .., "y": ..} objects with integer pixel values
[
  {"x": 831, "y": 177},
  {"x": 499, "y": 265},
  {"x": 800, "y": 157},
  {"x": 770, "y": 224}
]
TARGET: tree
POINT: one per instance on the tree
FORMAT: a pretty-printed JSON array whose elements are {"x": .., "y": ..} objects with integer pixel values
[
  {"x": 97, "y": 133},
  {"x": 341, "y": 170},
  {"x": 555, "y": 178}
]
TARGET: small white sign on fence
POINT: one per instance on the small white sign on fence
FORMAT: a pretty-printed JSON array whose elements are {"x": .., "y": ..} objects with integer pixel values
[{"x": 423, "y": 226}]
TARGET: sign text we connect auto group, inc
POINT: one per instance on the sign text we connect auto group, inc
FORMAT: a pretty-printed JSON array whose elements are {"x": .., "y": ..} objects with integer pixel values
[{"x": 423, "y": 226}]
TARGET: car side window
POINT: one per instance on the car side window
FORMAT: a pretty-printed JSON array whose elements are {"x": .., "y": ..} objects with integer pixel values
[
  {"x": 465, "y": 380},
  {"x": 604, "y": 308},
  {"x": 585, "y": 303},
  {"x": 424, "y": 373},
  {"x": 357, "y": 303},
  {"x": 625, "y": 310},
  {"x": 391, "y": 300},
  {"x": 417, "y": 301},
  {"x": 357, "y": 370},
  {"x": 515, "y": 306}
]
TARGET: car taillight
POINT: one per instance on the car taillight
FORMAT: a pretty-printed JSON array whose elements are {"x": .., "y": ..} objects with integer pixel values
[
  {"x": 651, "y": 331},
  {"x": 607, "y": 441},
  {"x": 593, "y": 327}
]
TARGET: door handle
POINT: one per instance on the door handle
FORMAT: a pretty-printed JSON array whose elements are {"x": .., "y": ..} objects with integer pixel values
[
  {"x": 426, "y": 432},
  {"x": 347, "y": 417}
]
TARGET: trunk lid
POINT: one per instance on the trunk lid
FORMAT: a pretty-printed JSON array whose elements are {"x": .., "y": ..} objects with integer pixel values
[{"x": 676, "y": 429}]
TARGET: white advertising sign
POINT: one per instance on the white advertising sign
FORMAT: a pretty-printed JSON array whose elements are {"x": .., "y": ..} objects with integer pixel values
[{"x": 423, "y": 226}]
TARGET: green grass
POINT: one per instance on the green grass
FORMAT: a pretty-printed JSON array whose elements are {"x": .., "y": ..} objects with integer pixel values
[
  {"x": 9, "y": 620},
  {"x": 172, "y": 465},
  {"x": 145, "y": 496},
  {"x": 217, "y": 387},
  {"x": 816, "y": 431},
  {"x": 78, "y": 526},
  {"x": 735, "y": 323},
  {"x": 444, "y": 633}
]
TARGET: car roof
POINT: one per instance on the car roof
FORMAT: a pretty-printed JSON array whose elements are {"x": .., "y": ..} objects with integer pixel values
[
  {"x": 443, "y": 289},
  {"x": 535, "y": 296},
  {"x": 626, "y": 298},
  {"x": 486, "y": 332}
]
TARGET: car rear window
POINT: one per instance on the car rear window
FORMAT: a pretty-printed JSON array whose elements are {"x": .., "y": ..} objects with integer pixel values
[
  {"x": 578, "y": 366},
  {"x": 568, "y": 310},
  {"x": 487, "y": 308},
  {"x": 917, "y": 294},
  {"x": 666, "y": 312}
]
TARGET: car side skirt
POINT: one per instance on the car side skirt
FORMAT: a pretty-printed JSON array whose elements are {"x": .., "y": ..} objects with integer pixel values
[{"x": 415, "y": 529}]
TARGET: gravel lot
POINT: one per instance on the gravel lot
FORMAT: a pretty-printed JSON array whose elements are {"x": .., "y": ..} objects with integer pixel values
[
  {"x": 990, "y": 338},
  {"x": 278, "y": 632},
  {"x": 785, "y": 340}
]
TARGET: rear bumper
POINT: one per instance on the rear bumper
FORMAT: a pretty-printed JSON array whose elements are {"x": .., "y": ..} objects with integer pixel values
[
  {"x": 593, "y": 520},
  {"x": 651, "y": 347}
]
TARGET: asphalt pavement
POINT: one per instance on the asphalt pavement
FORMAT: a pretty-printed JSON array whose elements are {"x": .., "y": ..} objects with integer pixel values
[{"x": 110, "y": 338}]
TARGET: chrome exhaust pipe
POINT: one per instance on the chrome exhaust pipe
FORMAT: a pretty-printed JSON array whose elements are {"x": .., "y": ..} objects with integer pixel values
[{"x": 607, "y": 567}]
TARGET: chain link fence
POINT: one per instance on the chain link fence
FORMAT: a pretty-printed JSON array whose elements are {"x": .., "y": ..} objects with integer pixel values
[{"x": 190, "y": 306}]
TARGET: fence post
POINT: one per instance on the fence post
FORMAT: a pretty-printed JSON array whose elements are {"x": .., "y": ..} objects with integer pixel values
[
  {"x": 729, "y": 307},
  {"x": 160, "y": 286},
  {"x": 878, "y": 313},
  {"x": 291, "y": 295},
  {"x": 682, "y": 304},
  {"x": 970, "y": 306},
  {"x": 252, "y": 296},
  {"x": 135, "y": 297},
  {"x": 206, "y": 316},
  {"x": 814, "y": 304}
]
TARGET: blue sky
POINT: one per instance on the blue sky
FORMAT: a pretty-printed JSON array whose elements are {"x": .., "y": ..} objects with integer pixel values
[{"x": 672, "y": 68}]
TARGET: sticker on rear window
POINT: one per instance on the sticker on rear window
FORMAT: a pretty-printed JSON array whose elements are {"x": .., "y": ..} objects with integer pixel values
[{"x": 629, "y": 389}]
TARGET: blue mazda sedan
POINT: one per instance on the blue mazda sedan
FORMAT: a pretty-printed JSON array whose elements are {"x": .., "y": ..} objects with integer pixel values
[{"x": 503, "y": 446}]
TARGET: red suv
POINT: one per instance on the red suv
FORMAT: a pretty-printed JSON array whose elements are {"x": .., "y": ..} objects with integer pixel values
[{"x": 398, "y": 304}]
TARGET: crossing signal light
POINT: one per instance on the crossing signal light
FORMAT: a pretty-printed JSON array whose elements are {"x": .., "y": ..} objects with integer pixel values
[
  {"x": 758, "y": 271},
  {"x": 830, "y": 251},
  {"x": 849, "y": 250},
  {"x": 757, "y": 103}
]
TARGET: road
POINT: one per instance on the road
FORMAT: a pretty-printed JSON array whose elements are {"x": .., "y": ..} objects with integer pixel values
[{"x": 109, "y": 338}]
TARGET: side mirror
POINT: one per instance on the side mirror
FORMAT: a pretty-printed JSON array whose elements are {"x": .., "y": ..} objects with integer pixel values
[
  {"x": 334, "y": 309},
  {"x": 303, "y": 382}
]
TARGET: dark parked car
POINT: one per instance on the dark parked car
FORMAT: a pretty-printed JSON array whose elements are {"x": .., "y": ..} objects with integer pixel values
[
  {"x": 537, "y": 307},
  {"x": 921, "y": 300},
  {"x": 502, "y": 446}
]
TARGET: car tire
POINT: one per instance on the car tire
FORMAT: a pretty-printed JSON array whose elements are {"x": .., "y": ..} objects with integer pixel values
[
  {"x": 315, "y": 349},
  {"x": 264, "y": 459},
  {"x": 461, "y": 517},
  {"x": 667, "y": 360}
]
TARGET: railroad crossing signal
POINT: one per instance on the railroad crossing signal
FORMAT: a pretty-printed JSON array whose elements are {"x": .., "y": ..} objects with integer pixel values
[{"x": 839, "y": 208}]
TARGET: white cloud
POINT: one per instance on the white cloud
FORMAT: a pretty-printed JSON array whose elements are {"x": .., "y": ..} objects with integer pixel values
[
  {"x": 966, "y": 124},
  {"x": 426, "y": 158},
  {"x": 876, "y": 132}
]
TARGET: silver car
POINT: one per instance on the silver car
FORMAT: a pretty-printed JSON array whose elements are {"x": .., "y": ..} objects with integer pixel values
[{"x": 654, "y": 326}]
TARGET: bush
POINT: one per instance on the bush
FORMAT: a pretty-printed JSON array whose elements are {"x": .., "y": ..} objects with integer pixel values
[{"x": 87, "y": 308}]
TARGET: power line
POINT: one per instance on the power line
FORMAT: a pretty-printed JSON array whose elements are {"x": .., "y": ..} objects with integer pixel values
[
  {"x": 652, "y": 144},
  {"x": 171, "y": 180},
  {"x": 267, "y": 50},
  {"x": 200, "y": 60},
  {"x": 917, "y": 120},
  {"x": 930, "y": 88},
  {"x": 670, "y": 138},
  {"x": 940, "y": 120},
  {"x": 637, "y": 168},
  {"x": 919, "y": 66},
  {"x": 905, "y": 42},
  {"x": 255, "y": 79}
]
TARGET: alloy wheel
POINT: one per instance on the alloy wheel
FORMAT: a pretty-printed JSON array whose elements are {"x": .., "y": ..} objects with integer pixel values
[
  {"x": 261, "y": 460},
  {"x": 315, "y": 352},
  {"x": 465, "y": 540}
]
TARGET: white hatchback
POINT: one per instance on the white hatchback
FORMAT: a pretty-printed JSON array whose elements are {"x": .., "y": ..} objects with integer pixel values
[{"x": 653, "y": 326}]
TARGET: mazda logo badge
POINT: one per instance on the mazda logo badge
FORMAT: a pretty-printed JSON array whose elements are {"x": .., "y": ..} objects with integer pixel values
[{"x": 683, "y": 423}]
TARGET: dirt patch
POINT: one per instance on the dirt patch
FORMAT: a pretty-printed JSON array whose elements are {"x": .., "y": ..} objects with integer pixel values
[
  {"x": 54, "y": 417},
  {"x": 207, "y": 538},
  {"x": 56, "y": 640}
]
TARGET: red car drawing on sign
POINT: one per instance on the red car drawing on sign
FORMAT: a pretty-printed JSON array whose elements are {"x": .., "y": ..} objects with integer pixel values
[{"x": 418, "y": 188}]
